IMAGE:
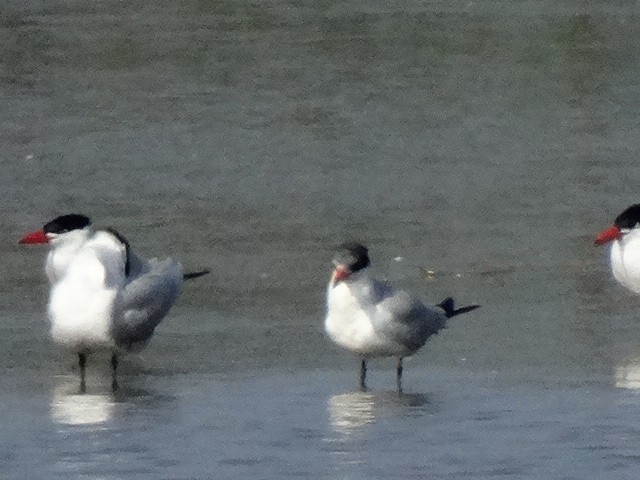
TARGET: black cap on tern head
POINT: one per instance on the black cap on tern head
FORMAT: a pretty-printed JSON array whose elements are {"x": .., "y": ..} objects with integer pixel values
[
  {"x": 629, "y": 218},
  {"x": 67, "y": 223},
  {"x": 353, "y": 255}
]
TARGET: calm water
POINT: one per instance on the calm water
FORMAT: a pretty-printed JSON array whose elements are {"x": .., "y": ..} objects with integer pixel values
[{"x": 484, "y": 141}]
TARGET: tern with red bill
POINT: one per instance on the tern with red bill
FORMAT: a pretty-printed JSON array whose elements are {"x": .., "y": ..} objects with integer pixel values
[
  {"x": 371, "y": 319},
  {"x": 624, "y": 237},
  {"x": 103, "y": 296}
]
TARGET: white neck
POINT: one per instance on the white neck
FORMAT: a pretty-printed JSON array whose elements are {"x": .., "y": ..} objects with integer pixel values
[{"x": 63, "y": 248}]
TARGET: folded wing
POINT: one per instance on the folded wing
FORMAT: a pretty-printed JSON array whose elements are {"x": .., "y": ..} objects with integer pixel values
[
  {"x": 150, "y": 292},
  {"x": 407, "y": 321}
]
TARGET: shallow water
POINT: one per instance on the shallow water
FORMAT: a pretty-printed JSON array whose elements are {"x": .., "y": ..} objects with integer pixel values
[{"x": 485, "y": 142}]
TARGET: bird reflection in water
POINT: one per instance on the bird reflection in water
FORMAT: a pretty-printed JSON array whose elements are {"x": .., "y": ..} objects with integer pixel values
[
  {"x": 70, "y": 407},
  {"x": 350, "y": 412},
  {"x": 628, "y": 374}
]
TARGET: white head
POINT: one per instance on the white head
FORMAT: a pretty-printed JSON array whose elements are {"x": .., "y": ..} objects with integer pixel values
[
  {"x": 63, "y": 228},
  {"x": 66, "y": 234},
  {"x": 624, "y": 224},
  {"x": 352, "y": 258}
]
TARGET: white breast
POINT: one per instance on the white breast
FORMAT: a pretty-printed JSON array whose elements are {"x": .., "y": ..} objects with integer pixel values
[
  {"x": 625, "y": 260},
  {"x": 352, "y": 318},
  {"x": 347, "y": 323},
  {"x": 81, "y": 306}
]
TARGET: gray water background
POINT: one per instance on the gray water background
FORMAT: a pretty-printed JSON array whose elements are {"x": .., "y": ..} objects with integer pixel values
[{"x": 486, "y": 142}]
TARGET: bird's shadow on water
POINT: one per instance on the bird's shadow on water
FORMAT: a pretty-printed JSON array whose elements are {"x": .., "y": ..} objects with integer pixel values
[{"x": 351, "y": 412}]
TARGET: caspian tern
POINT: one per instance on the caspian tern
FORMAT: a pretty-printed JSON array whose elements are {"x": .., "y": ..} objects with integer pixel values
[
  {"x": 103, "y": 296},
  {"x": 372, "y": 319},
  {"x": 625, "y": 247}
]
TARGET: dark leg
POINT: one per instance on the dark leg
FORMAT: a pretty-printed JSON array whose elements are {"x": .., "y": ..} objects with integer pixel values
[
  {"x": 363, "y": 375},
  {"x": 114, "y": 368},
  {"x": 82, "y": 362},
  {"x": 399, "y": 375}
]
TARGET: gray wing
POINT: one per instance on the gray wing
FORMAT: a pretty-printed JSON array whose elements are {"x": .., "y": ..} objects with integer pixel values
[
  {"x": 150, "y": 292},
  {"x": 406, "y": 320}
]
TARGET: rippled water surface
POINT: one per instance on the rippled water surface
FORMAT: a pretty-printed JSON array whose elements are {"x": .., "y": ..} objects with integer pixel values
[{"x": 476, "y": 147}]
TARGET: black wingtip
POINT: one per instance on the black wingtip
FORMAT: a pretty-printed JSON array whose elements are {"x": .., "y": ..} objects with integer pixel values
[
  {"x": 192, "y": 275},
  {"x": 448, "y": 306},
  {"x": 466, "y": 309}
]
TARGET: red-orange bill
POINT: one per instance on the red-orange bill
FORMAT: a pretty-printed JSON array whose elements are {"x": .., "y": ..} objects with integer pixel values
[
  {"x": 35, "y": 237},
  {"x": 340, "y": 274},
  {"x": 608, "y": 235}
]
